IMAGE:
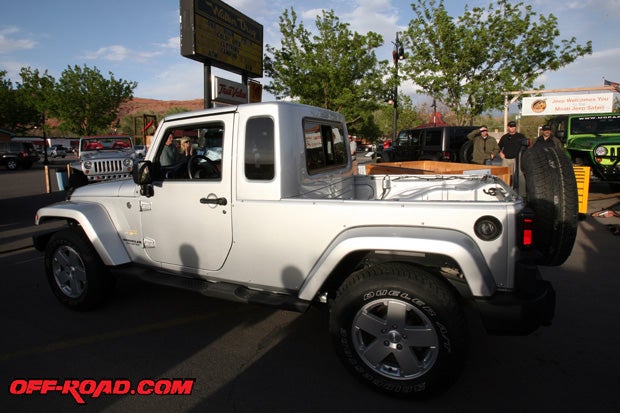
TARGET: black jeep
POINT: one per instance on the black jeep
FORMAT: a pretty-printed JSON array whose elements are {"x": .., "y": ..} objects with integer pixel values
[{"x": 441, "y": 143}]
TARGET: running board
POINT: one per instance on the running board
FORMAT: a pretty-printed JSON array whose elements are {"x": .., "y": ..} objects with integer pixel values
[{"x": 222, "y": 290}]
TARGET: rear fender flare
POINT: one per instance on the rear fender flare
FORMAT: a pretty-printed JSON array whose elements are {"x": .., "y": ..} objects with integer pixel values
[{"x": 404, "y": 240}]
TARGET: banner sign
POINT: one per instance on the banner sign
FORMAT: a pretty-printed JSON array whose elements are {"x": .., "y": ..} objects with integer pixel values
[
  {"x": 568, "y": 104},
  {"x": 226, "y": 91}
]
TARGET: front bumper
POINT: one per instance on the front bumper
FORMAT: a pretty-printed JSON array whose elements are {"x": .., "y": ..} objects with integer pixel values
[{"x": 523, "y": 310}]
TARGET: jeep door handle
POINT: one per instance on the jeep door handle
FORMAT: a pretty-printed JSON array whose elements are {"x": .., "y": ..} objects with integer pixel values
[{"x": 215, "y": 201}]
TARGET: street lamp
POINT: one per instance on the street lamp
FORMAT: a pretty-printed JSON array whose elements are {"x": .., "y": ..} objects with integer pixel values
[{"x": 397, "y": 54}]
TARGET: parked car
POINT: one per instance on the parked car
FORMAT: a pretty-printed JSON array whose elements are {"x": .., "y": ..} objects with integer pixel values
[
  {"x": 15, "y": 155},
  {"x": 56, "y": 151},
  {"x": 442, "y": 143}
]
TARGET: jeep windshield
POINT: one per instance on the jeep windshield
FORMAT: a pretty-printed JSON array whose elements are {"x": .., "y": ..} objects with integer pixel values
[
  {"x": 595, "y": 125},
  {"x": 106, "y": 143}
]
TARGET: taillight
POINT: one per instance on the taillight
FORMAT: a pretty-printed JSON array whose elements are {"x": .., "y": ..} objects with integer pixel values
[
  {"x": 525, "y": 229},
  {"x": 447, "y": 156},
  {"x": 527, "y": 232},
  {"x": 23, "y": 154}
]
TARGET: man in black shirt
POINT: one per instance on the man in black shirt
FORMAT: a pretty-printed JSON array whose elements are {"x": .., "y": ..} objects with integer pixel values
[{"x": 510, "y": 145}]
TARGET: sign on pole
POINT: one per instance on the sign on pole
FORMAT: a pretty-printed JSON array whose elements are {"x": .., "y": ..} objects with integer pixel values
[
  {"x": 215, "y": 34},
  {"x": 227, "y": 91}
]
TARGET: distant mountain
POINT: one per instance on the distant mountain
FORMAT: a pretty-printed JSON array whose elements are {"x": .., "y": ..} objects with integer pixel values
[{"x": 138, "y": 106}]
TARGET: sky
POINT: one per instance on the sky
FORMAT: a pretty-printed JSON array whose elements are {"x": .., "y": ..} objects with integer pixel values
[{"x": 139, "y": 40}]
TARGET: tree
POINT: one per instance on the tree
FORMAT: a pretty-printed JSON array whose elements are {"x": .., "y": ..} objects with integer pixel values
[
  {"x": 86, "y": 102},
  {"x": 335, "y": 69},
  {"x": 22, "y": 107},
  {"x": 408, "y": 116},
  {"x": 469, "y": 61}
]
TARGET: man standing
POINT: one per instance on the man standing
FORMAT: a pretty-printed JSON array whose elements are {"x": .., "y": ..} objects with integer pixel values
[
  {"x": 510, "y": 146},
  {"x": 546, "y": 139},
  {"x": 353, "y": 149},
  {"x": 483, "y": 147}
]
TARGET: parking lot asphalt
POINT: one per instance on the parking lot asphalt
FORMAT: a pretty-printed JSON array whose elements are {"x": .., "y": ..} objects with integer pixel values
[{"x": 23, "y": 193}]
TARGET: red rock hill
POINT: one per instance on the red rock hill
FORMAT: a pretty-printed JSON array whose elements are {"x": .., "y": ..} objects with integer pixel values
[{"x": 158, "y": 107}]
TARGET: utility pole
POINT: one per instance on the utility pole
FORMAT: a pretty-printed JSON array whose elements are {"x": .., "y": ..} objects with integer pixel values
[{"x": 397, "y": 54}]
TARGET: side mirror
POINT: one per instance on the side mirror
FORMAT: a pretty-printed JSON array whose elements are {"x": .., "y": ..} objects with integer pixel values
[{"x": 141, "y": 174}]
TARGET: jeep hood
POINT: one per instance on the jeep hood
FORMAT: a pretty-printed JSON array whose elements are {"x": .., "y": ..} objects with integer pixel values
[
  {"x": 106, "y": 154},
  {"x": 118, "y": 188}
]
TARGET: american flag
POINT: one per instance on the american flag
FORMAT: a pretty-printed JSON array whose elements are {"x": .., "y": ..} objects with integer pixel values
[{"x": 615, "y": 85}]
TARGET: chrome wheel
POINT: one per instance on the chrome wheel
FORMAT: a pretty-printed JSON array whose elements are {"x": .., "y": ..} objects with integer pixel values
[
  {"x": 69, "y": 271},
  {"x": 395, "y": 339}
]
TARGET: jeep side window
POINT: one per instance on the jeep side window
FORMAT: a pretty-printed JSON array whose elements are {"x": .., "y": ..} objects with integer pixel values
[
  {"x": 433, "y": 138},
  {"x": 200, "y": 146},
  {"x": 325, "y": 146},
  {"x": 403, "y": 138},
  {"x": 259, "y": 149},
  {"x": 415, "y": 137}
]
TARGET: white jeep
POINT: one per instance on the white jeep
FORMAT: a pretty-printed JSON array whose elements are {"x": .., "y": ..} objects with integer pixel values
[{"x": 278, "y": 217}]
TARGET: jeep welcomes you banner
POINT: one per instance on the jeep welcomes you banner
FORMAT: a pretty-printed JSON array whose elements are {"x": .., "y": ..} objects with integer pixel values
[{"x": 568, "y": 104}]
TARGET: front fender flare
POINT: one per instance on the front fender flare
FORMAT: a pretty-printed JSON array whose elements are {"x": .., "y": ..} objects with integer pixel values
[
  {"x": 96, "y": 224},
  {"x": 455, "y": 244}
]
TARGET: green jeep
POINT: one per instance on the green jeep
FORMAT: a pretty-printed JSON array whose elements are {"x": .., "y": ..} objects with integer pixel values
[{"x": 592, "y": 140}]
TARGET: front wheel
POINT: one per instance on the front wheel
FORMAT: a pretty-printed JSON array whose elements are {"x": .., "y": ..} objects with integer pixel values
[
  {"x": 75, "y": 272},
  {"x": 399, "y": 329}
]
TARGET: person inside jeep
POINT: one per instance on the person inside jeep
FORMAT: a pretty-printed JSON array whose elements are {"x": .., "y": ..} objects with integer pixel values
[{"x": 170, "y": 155}]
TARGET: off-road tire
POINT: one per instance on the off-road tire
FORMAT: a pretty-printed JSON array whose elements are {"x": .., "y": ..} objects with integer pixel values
[
  {"x": 551, "y": 190},
  {"x": 75, "y": 272},
  {"x": 399, "y": 329}
]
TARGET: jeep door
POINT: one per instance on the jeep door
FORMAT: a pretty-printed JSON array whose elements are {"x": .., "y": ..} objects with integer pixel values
[{"x": 186, "y": 224}]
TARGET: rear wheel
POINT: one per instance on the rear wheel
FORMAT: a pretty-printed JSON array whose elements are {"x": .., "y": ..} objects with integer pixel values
[
  {"x": 75, "y": 272},
  {"x": 11, "y": 164},
  {"x": 399, "y": 329},
  {"x": 552, "y": 193}
]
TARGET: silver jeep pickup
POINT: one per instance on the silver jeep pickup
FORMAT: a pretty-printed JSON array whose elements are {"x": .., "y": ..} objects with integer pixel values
[{"x": 261, "y": 205}]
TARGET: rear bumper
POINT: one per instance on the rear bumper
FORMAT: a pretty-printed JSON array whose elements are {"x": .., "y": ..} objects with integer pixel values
[{"x": 522, "y": 311}]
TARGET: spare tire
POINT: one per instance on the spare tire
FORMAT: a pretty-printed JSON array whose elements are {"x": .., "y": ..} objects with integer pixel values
[
  {"x": 551, "y": 190},
  {"x": 466, "y": 152}
]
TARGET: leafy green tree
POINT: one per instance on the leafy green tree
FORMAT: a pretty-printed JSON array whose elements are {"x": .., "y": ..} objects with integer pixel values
[
  {"x": 408, "y": 116},
  {"x": 8, "y": 104},
  {"x": 6, "y": 90},
  {"x": 86, "y": 102},
  {"x": 468, "y": 61},
  {"x": 335, "y": 69},
  {"x": 24, "y": 107}
]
